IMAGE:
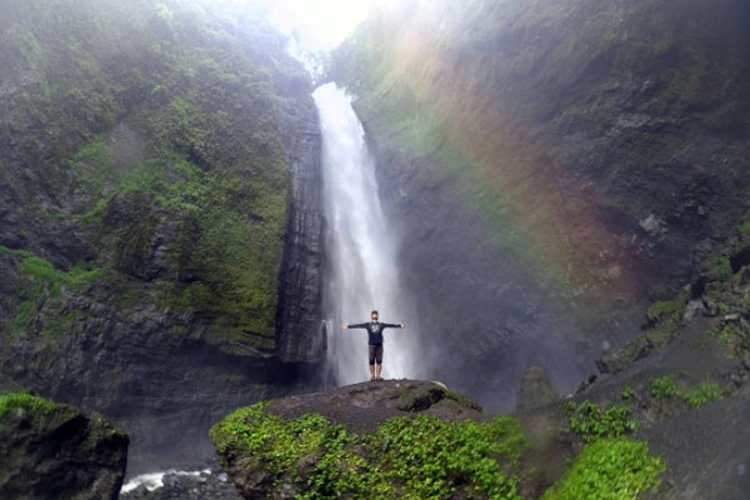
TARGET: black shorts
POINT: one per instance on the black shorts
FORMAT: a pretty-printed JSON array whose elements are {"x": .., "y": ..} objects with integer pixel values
[{"x": 376, "y": 354}]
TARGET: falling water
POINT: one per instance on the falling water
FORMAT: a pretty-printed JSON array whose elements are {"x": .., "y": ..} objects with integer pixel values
[{"x": 361, "y": 248}]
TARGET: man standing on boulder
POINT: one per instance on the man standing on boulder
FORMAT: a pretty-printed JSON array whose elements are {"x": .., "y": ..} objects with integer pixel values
[{"x": 375, "y": 340}]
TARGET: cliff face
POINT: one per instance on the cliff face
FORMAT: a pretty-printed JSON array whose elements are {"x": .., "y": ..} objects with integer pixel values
[
  {"x": 154, "y": 166},
  {"x": 556, "y": 165},
  {"x": 51, "y": 451},
  {"x": 298, "y": 323}
]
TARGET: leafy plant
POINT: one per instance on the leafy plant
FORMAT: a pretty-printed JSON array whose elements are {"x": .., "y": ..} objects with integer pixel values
[
  {"x": 702, "y": 394},
  {"x": 663, "y": 387},
  {"x": 588, "y": 420},
  {"x": 627, "y": 393},
  {"x": 610, "y": 469},
  {"x": 421, "y": 457}
]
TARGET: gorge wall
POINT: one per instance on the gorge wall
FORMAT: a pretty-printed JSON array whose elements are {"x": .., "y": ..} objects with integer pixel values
[
  {"x": 557, "y": 165},
  {"x": 159, "y": 214}
]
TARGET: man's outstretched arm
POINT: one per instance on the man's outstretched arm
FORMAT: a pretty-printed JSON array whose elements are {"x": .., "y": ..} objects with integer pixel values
[
  {"x": 392, "y": 325},
  {"x": 347, "y": 326}
]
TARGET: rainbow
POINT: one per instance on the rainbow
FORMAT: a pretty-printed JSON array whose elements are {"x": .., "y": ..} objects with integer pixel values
[{"x": 539, "y": 208}]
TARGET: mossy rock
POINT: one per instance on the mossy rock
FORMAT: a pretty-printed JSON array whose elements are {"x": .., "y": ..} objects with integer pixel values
[
  {"x": 50, "y": 450},
  {"x": 271, "y": 453}
]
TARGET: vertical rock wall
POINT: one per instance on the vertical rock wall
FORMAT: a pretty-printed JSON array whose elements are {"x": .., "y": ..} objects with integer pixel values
[{"x": 298, "y": 322}]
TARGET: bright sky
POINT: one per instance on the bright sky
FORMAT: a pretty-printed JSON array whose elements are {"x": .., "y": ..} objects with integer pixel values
[{"x": 320, "y": 23}]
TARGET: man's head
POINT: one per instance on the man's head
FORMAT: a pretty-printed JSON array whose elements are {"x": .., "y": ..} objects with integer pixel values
[{"x": 374, "y": 315}]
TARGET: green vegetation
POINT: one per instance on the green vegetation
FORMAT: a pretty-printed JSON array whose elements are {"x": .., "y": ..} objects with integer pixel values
[
  {"x": 661, "y": 311},
  {"x": 665, "y": 319},
  {"x": 627, "y": 393},
  {"x": 33, "y": 404},
  {"x": 102, "y": 429},
  {"x": 663, "y": 387},
  {"x": 719, "y": 268},
  {"x": 587, "y": 420},
  {"x": 694, "y": 397},
  {"x": 171, "y": 135},
  {"x": 735, "y": 337},
  {"x": 610, "y": 469},
  {"x": 414, "y": 458},
  {"x": 702, "y": 394},
  {"x": 14, "y": 253},
  {"x": 46, "y": 283}
]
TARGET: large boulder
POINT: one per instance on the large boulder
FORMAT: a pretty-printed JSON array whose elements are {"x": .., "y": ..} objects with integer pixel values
[
  {"x": 386, "y": 439},
  {"x": 52, "y": 451}
]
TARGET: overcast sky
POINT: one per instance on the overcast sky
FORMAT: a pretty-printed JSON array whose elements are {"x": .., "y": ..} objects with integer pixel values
[{"x": 321, "y": 24}]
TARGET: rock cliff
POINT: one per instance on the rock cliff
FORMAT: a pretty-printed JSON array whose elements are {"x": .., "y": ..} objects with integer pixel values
[
  {"x": 159, "y": 213},
  {"x": 52, "y": 451}
]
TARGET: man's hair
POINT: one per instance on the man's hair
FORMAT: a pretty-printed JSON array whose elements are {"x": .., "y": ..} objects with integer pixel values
[{"x": 374, "y": 312}]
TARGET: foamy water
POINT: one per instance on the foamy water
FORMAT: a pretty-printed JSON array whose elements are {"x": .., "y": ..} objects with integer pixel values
[{"x": 155, "y": 480}]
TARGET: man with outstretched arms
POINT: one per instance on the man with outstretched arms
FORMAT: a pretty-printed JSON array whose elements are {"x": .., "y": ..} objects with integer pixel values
[{"x": 375, "y": 340}]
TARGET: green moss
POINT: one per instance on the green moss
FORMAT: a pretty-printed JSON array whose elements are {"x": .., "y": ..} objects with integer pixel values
[
  {"x": 665, "y": 320},
  {"x": 420, "y": 457},
  {"x": 33, "y": 404},
  {"x": 40, "y": 268},
  {"x": 26, "y": 313},
  {"x": 103, "y": 430},
  {"x": 610, "y": 469},
  {"x": 79, "y": 278},
  {"x": 589, "y": 421},
  {"x": 664, "y": 310},
  {"x": 45, "y": 288},
  {"x": 205, "y": 139},
  {"x": 719, "y": 268}
]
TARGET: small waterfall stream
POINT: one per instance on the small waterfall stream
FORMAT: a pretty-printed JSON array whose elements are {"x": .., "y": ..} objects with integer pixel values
[{"x": 361, "y": 247}]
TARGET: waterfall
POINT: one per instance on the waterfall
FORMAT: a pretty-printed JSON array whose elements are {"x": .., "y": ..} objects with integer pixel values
[{"x": 361, "y": 249}]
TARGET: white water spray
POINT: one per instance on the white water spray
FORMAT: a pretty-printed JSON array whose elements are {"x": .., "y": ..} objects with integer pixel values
[{"x": 361, "y": 250}]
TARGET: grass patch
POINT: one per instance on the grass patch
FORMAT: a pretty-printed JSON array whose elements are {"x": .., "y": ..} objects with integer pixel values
[
  {"x": 421, "y": 457},
  {"x": 610, "y": 469}
]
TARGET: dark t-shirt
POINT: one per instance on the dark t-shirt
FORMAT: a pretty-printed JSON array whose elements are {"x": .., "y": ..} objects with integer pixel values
[{"x": 375, "y": 330}]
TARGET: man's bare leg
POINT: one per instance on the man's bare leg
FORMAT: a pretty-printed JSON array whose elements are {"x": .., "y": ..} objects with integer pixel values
[
  {"x": 378, "y": 367},
  {"x": 372, "y": 372}
]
